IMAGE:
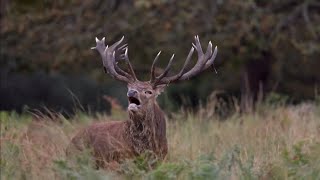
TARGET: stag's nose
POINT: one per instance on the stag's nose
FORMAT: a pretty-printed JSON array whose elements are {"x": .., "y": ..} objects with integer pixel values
[{"x": 132, "y": 93}]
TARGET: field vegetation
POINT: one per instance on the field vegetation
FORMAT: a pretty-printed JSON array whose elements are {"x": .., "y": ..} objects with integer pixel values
[{"x": 274, "y": 141}]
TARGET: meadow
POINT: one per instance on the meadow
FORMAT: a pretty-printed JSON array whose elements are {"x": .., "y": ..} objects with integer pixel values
[{"x": 273, "y": 141}]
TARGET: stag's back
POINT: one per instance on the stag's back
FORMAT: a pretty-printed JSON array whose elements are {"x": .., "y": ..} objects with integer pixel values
[{"x": 106, "y": 140}]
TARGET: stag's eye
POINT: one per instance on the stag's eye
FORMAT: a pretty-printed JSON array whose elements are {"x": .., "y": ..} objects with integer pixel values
[{"x": 148, "y": 92}]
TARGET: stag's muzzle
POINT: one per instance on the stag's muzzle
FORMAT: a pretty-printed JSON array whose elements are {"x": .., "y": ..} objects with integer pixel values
[
  {"x": 132, "y": 93},
  {"x": 133, "y": 98}
]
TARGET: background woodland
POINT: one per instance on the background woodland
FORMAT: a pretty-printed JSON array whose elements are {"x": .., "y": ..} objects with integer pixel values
[{"x": 264, "y": 46}]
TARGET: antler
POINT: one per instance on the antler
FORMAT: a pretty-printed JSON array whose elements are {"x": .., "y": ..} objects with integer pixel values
[
  {"x": 205, "y": 60},
  {"x": 110, "y": 63}
]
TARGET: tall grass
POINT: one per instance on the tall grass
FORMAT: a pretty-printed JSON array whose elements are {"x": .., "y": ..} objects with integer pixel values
[{"x": 272, "y": 142}]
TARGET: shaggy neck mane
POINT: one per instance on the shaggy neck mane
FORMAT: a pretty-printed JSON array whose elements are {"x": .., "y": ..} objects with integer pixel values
[{"x": 147, "y": 132}]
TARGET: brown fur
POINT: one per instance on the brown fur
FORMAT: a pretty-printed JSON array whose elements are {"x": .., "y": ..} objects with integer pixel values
[{"x": 117, "y": 140}]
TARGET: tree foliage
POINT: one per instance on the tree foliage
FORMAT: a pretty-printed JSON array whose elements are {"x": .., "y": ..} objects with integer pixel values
[{"x": 274, "y": 43}]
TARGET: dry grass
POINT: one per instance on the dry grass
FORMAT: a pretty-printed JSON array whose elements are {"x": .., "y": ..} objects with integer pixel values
[{"x": 273, "y": 142}]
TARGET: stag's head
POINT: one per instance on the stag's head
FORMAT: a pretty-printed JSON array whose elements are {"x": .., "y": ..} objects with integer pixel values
[{"x": 142, "y": 94}]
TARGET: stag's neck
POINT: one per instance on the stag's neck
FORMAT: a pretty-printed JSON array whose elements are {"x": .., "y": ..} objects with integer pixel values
[
  {"x": 151, "y": 118},
  {"x": 148, "y": 131}
]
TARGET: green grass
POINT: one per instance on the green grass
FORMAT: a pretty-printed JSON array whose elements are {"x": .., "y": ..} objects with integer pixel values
[{"x": 273, "y": 142}]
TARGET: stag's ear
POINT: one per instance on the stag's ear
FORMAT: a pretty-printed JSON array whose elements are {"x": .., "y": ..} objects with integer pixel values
[{"x": 160, "y": 88}]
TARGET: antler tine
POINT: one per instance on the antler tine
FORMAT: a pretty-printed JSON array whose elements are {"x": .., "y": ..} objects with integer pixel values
[
  {"x": 198, "y": 44},
  {"x": 187, "y": 62},
  {"x": 166, "y": 70},
  {"x": 209, "y": 50},
  {"x": 204, "y": 61},
  {"x": 123, "y": 47},
  {"x": 212, "y": 58},
  {"x": 129, "y": 64},
  {"x": 176, "y": 77},
  {"x": 122, "y": 72},
  {"x": 153, "y": 67},
  {"x": 108, "y": 58},
  {"x": 115, "y": 45}
]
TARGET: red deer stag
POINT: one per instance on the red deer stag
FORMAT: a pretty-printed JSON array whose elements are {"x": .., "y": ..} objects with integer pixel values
[{"x": 146, "y": 129}]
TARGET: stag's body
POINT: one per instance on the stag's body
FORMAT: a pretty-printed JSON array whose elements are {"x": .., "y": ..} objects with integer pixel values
[
  {"x": 117, "y": 140},
  {"x": 146, "y": 128}
]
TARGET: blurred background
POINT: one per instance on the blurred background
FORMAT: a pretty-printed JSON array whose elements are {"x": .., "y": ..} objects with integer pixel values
[{"x": 265, "y": 47}]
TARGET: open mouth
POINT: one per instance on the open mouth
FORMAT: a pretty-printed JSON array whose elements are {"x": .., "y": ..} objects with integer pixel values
[{"x": 133, "y": 100}]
